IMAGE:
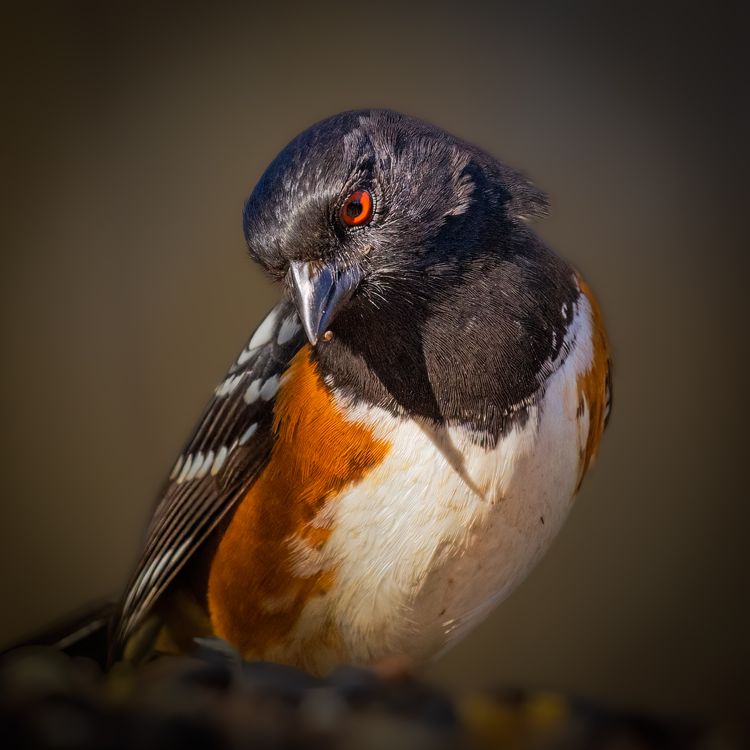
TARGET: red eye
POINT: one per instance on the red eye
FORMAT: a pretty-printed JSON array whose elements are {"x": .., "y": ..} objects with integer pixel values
[{"x": 357, "y": 209}]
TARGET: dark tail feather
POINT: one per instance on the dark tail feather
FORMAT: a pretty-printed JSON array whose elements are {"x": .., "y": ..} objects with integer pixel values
[{"x": 83, "y": 634}]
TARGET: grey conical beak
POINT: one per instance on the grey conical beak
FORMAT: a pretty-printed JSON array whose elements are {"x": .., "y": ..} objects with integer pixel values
[{"x": 320, "y": 291}]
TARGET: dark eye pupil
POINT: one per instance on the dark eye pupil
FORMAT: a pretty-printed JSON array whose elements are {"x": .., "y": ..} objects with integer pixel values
[{"x": 354, "y": 208}]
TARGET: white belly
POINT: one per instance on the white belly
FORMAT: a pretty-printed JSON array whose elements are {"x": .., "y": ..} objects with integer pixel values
[{"x": 443, "y": 529}]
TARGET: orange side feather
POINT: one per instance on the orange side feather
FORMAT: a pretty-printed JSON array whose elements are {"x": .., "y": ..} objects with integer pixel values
[
  {"x": 593, "y": 383},
  {"x": 255, "y": 596}
]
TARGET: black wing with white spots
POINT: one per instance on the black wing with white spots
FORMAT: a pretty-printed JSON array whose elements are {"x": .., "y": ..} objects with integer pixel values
[{"x": 219, "y": 463}]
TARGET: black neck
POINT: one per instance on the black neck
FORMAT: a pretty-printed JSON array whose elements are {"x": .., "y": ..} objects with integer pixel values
[{"x": 469, "y": 349}]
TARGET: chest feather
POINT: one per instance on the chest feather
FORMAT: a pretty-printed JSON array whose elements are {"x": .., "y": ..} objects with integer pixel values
[{"x": 256, "y": 591}]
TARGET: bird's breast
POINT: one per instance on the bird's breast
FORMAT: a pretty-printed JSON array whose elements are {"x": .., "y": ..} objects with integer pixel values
[
  {"x": 257, "y": 586},
  {"x": 369, "y": 534}
]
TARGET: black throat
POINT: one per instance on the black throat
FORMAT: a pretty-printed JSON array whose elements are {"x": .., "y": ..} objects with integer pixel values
[{"x": 472, "y": 347}]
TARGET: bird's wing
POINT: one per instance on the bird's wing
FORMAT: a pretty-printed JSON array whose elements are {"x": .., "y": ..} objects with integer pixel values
[{"x": 221, "y": 460}]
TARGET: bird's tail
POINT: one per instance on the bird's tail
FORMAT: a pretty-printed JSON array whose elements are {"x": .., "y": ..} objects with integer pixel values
[{"x": 81, "y": 634}]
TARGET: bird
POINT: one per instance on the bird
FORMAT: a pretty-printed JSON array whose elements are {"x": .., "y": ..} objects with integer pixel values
[{"x": 403, "y": 434}]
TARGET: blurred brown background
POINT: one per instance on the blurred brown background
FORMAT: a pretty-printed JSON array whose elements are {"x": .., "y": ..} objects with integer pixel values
[{"x": 132, "y": 138}]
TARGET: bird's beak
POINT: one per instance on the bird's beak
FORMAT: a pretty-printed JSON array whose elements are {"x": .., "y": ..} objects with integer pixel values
[{"x": 320, "y": 291}]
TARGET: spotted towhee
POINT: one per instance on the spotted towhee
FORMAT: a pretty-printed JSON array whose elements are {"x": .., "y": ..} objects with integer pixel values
[{"x": 403, "y": 435}]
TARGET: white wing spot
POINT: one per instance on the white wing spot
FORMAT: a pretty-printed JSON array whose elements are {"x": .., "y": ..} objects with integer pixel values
[
  {"x": 197, "y": 461},
  {"x": 177, "y": 468},
  {"x": 221, "y": 456},
  {"x": 229, "y": 385},
  {"x": 289, "y": 327},
  {"x": 185, "y": 469},
  {"x": 249, "y": 432},
  {"x": 205, "y": 466},
  {"x": 564, "y": 310},
  {"x": 245, "y": 355},
  {"x": 270, "y": 387},
  {"x": 264, "y": 332},
  {"x": 253, "y": 391}
]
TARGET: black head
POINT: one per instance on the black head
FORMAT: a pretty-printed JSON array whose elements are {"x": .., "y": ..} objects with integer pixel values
[{"x": 436, "y": 203}]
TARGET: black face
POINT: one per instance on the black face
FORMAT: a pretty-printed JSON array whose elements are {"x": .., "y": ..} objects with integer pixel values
[
  {"x": 434, "y": 199},
  {"x": 399, "y": 237}
]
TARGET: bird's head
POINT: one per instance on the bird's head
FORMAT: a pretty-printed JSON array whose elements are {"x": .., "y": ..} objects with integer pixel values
[{"x": 369, "y": 206}]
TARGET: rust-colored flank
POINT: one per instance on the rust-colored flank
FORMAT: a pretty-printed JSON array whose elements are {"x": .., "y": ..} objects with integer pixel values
[
  {"x": 592, "y": 383},
  {"x": 258, "y": 585}
]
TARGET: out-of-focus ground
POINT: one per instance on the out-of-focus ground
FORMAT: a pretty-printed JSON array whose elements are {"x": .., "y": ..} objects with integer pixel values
[
  {"x": 131, "y": 137},
  {"x": 216, "y": 701}
]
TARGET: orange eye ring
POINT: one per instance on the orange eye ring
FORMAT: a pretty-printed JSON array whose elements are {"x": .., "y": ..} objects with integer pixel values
[{"x": 357, "y": 209}]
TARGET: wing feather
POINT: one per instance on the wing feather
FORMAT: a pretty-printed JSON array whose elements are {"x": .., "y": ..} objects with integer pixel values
[{"x": 219, "y": 463}]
